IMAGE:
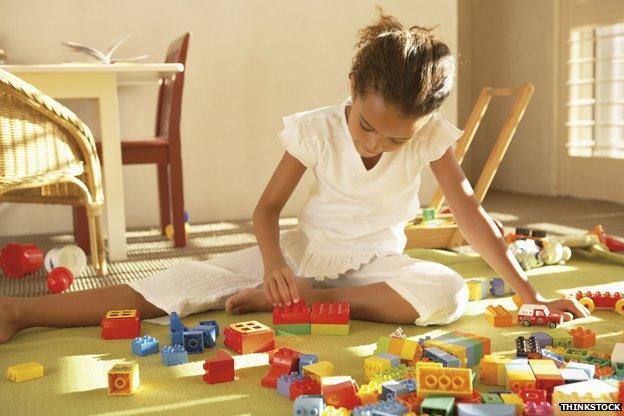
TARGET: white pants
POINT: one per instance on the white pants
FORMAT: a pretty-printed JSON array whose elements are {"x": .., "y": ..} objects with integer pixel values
[{"x": 436, "y": 292}]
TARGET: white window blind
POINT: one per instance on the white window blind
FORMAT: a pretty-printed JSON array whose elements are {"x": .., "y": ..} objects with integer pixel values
[{"x": 595, "y": 106}]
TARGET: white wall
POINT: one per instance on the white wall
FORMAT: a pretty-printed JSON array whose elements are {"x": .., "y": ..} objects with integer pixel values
[{"x": 250, "y": 62}]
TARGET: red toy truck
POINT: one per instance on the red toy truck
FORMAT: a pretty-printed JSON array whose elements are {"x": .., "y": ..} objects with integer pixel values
[{"x": 538, "y": 315}]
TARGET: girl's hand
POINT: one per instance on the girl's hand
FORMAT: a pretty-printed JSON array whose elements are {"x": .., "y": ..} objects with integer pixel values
[
  {"x": 280, "y": 286},
  {"x": 569, "y": 307}
]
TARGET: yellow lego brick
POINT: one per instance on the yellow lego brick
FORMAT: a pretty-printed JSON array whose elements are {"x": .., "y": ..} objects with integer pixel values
[
  {"x": 329, "y": 329},
  {"x": 332, "y": 411},
  {"x": 410, "y": 350},
  {"x": 24, "y": 372},
  {"x": 121, "y": 314},
  {"x": 123, "y": 379},
  {"x": 520, "y": 379},
  {"x": 455, "y": 382},
  {"x": 492, "y": 370},
  {"x": 396, "y": 346},
  {"x": 475, "y": 290},
  {"x": 513, "y": 399},
  {"x": 592, "y": 391},
  {"x": 374, "y": 365},
  {"x": 430, "y": 364},
  {"x": 369, "y": 393},
  {"x": 544, "y": 368},
  {"x": 318, "y": 370}
]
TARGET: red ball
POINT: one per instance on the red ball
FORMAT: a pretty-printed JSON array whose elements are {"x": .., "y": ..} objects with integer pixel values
[{"x": 59, "y": 279}]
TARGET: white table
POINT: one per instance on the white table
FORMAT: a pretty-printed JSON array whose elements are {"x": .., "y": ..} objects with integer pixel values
[{"x": 99, "y": 81}]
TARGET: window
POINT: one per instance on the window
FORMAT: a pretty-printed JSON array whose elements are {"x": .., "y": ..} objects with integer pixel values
[{"x": 595, "y": 107}]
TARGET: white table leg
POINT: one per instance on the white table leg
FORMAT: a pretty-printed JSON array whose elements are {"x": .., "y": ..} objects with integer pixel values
[{"x": 112, "y": 172}]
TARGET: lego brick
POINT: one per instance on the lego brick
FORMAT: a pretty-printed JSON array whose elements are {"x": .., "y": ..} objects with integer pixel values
[
  {"x": 528, "y": 347},
  {"x": 382, "y": 408},
  {"x": 396, "y": 346},
  {"x": 617, "y": 355},
  {"x": 492, "y": 370},
  {"x": 305, "y": 405},
  {"x": 285, "y": 381},
  {"x": 455, "y": 382},
  {"x": 392, "y": 389},
  {"x": 395, "y": 360},
  {"x": 394, "y": 373},
  {"x": 583, "y": 337},
  {"x": 123, "y": 379},
  {"x": 369, "y": 393},
  {"x": 538, "y": 409},
  {"x": 471, "y": 409},
  {"x": 121, "y": 324},
  {"x": 174, "y": 355},
  {"x": 283, "y": 361},
  {"x": 210, "y": 331},
  {"x": 297, "y": 313},
  {"x": 306, "y": 359},
  {"x": 411, "y": 401},
  {"x": 145, "y": 345},
  {"x": 340, "y": 391},
  {"x": 514, "y": 400},
  {"x": 589, "y": 369},
  {"x": 219, "y": 368},
  {"x": 176, "y": 328},
  {"x": 544, "y": 368},
  {"x": 498, "y": 316},
  {"x": 329, "y": 329},
  {"x": 411, "y": 350},
  {"x": 333, "y": 411},
  {"x": 519, "y": 377},
  {"x": 533, "y": 395},
  {"x": 491, "y": 398},
  {"x": 24, "y": 372},
  {"x": 318, "y": 370},
  {"x": 575, "y": 354},
  {"x": 573, "y": 375},
  {"x": 556, "y": 358},
  {"x": 478, "y": 288},
  {"x": 193, "y": 341},
  {"x": 542, "y": 338},
  {"x": 292, "y": 329},
  {"x": 330, "y": 313},
  {"x": 438, "y": 405},
  {"x": 561, "y": 338},
  {"x": 383, "y": 344},
  {"x": 437, "y": 355},
  {"x": 305, "y": 386},
  {"x": 592, "y": 391},
  {"x": 498, "y": 287},
  {"x": 249, "y": 337}
]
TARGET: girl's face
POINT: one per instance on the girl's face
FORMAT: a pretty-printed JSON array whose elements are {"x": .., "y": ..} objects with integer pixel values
[{"x": 377, "y": 127}]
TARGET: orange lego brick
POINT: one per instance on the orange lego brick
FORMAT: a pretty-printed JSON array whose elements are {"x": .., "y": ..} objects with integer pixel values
[
  {"x": 396, "y": 346},
  {"x": 492, "y": 370},
  {"x": 455, "y": 382},
  {"x": 582, "y": 337},
  {"x": 498, "y": 316},
  {"x": 123, "y": 379}
]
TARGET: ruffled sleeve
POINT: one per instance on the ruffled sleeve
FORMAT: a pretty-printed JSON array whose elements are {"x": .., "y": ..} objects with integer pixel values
[
  {"x": 296, "y": 142},
  {"x": 442, "y": 134}
]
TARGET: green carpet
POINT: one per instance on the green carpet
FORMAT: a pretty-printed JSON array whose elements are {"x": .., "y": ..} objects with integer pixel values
[{"x": 76, "y": 360}]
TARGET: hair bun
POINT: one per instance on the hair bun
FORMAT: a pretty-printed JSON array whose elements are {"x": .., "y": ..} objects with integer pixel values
[{"x": 385, "y": 23}]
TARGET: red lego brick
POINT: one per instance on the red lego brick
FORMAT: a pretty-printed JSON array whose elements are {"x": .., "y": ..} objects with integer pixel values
[
  {"x": 532, "y": 395},
  {"x": 330, "y": 313},
  {"x": 284, "y": 361},
  {"x": 548, "y": 383},
  {"x": 297, "y": 313},
  {"x": 475, "y": 398},
  {"x": 600, "y": 299},
  {"x": 219, "y": 369},
  {"x": 411, "y": 401},
  {"x": 249, "y": 337},
  {"x": 282, "y": 351},
  {"x": 305, "y": 386},
  {"x": 341, "y": 393},
  {"x": 121, "y": 324}
]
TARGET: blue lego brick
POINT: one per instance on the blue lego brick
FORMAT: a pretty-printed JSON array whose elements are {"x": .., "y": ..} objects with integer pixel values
[
  {"x": 392, "y": 389},
  {"x": 542, "y": 338},
  {"x": 174, "y": 355},
  {"x": 210, "y": 333},
  {"x": 438, "y": 405},
  {"x": 145, "y": 345},
  {"x": 473, "y": 409},
  {"x": 306, "y": 359},
  {"x": 410, "y": 383},
  {"x": 193, "y": 341},
  {"x": 175, "y": 323},
  {"x": 588, "y": 368},
  {"x": 395, "y": 360},
  {"x": 439, "y": 356},
  {"x": 381, "y": 408},
  {"x": 284, "y": 381},
  {"x": 308, "y": 405},
  {"x": 177, "y": 337},
  {"x": 211, "y": 323},
  {"x": 421, "y": 341},
  {"x": 558, "y": 359}
]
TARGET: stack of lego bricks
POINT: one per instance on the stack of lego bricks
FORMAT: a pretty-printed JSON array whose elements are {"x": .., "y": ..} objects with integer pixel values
[
  {"x": 323, "y": 318},
  {"x": 468, "y": 348}
]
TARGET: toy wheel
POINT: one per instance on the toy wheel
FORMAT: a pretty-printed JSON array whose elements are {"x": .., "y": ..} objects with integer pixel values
[
  {"x": 552, "y": 324},
  {"x": 588, "y": 303},
  {"x": 619, "y": 306},
  {"x": 526, "y": 323}
]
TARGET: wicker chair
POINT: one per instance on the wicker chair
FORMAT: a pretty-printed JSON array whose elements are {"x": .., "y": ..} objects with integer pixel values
[{"x": 48, "y": 156}]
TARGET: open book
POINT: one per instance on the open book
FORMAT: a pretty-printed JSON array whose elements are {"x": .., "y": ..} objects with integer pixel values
[{"x": 105, "y": 57}]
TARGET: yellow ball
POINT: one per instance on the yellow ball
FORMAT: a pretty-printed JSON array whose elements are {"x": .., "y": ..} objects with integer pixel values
[{"x": 169, "y": 230}]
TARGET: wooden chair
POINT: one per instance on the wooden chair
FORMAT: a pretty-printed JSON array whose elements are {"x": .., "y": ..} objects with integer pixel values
[
  {"x": 447, "y": 235},
  {"x": 48, "y": 156},
  {"x": 164, "y": 150}
]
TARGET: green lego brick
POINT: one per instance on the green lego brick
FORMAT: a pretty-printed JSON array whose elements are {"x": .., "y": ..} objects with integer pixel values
[
  {"x": 575, "y": 354},
  {"x": 619, "y": 369},
  {"x": 561, "y": 338},
  {"x": 395, "y": 373},
  {"x": 601, "y": 362},
  {"x": 438, "y": 406},
  {"x": 491, "y": 398},
  {"x": 383, "y": 345},
  {"x": 292, "y": 329},
  {"x": 329, "y": 329}
]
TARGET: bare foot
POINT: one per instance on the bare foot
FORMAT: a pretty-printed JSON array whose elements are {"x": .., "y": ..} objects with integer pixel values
[
  {"x": 255, "y": 300},
  {"x": 8, "y": 320}
]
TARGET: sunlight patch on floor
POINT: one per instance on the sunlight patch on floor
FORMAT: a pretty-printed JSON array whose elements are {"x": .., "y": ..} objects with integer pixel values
[
  {"x": 174, "y": 406},
  {"x": 78, "y": 373}
]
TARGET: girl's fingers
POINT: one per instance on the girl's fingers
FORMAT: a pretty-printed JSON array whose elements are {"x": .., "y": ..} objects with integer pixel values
[
  {"x": 284, "y": 291},
  {"x": 568, "y": 316},
  {"x": 267, "y": 291},
  {"x": 292, "y": 285},
  {"x": 275, "y": 292}
]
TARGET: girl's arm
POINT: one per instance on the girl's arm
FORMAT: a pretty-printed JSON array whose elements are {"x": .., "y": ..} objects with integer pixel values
[
  {"x": 279, "y": 280},
  {"x": 483, "y": 235}
]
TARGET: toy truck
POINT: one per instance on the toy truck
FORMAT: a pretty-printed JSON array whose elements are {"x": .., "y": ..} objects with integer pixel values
[{"x": 538, "y": 315}]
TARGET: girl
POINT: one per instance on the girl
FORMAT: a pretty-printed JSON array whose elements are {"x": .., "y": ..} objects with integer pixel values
[{"x": 366, "y": 155}]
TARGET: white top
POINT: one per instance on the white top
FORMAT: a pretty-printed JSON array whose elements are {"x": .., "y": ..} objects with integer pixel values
[{"x": 352, "y": 214}]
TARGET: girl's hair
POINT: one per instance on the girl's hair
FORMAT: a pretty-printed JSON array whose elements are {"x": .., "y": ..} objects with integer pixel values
[{"x": 409, "y": 68}]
